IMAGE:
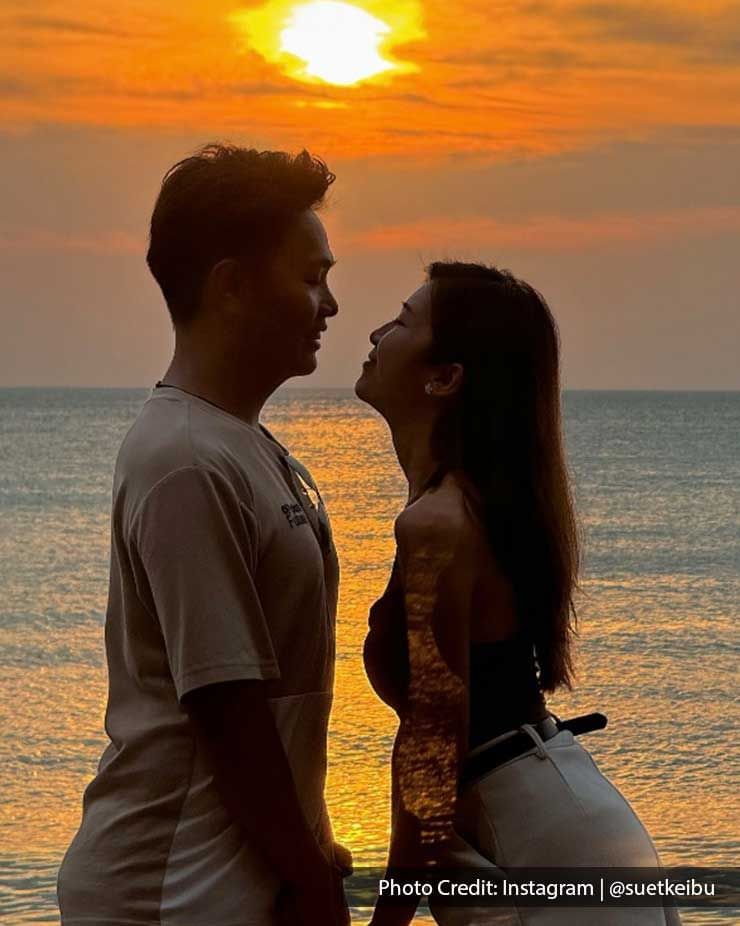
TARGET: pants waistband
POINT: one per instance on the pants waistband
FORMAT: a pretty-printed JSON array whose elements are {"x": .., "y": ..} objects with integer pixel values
[{"x": 485, "y": 758}]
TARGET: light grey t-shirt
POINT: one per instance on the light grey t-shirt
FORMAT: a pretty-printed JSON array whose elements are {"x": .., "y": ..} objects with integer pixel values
[{"x": 222, "y": 568}]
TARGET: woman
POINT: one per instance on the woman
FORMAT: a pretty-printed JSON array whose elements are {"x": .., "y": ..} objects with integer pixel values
[{"x": 477, "y": 619}]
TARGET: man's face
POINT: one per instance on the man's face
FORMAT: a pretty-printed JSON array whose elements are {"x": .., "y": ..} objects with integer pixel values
[{"x": 293, "y": 299}]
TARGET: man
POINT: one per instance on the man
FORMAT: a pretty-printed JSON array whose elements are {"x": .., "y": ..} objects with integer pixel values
[{"x": 208, "y": 807}]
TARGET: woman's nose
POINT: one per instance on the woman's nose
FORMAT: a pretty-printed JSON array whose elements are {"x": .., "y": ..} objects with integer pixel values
[{"x": 376, "y": 335}]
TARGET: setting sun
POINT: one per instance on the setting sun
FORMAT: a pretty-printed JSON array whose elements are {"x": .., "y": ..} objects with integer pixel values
[
  {"x": 330, "y": 41},
  {"x": 338, "y": 42}
]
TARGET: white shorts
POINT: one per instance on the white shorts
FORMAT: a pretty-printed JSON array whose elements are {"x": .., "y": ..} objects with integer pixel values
[{"x": 550, "y": 807}]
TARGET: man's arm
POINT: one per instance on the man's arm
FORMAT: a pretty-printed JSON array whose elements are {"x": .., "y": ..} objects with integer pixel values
[
  {"x": 235, "y": 727},
  {"x": 196, "y": 540}
]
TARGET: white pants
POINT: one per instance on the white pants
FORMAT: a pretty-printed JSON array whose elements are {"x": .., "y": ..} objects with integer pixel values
[{"x": 549, "y": 808}]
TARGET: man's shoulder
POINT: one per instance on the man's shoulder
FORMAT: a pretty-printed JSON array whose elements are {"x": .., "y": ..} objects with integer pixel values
[{"x": 176, "y": 437}]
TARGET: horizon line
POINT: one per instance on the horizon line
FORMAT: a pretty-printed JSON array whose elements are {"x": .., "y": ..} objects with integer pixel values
[{"x": 334, "y": 388}]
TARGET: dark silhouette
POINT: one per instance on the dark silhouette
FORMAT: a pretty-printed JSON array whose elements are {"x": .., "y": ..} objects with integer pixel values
[
  {"x": 477, "y": 619},
  {"x": 208, "y": 805}
]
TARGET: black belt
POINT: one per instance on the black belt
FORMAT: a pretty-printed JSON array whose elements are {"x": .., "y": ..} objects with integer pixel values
[{"x": 520, "y": 742}]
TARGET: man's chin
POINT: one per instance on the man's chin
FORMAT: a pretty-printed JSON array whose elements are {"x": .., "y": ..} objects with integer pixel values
[{"x": 306, "y": 365}]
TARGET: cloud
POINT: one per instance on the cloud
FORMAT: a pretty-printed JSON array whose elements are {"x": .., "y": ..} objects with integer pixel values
[
  {"x": 545, "y": 233},
  {"x": 600, "y": 37},
  {"x": 416, "y": 99},
  {"x": 12, "y": 87},
  {"x": 106, "y": 242},
  {"x": 275, "y": 88},
  {"x": 655, "y": 26},
  {"x": 69, "y": 27},
  {"x": 725, "y": 134},
  {"x": 633, "y": 243},
  {"x": 550, "y": 233},
  {"x": 501, "y": 79},
  {"x": 499, "y": 58},
  {"x": 696, "y": 35}
]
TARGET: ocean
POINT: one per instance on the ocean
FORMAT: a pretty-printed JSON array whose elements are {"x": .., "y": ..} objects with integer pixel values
[{"x": 657, "y": 482}]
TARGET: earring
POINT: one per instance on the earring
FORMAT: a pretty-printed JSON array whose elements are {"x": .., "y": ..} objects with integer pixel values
[{"x": 429, "y": 388}]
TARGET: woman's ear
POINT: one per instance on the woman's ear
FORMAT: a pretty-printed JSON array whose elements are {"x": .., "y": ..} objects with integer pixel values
[{"x": 448, "y": 379}]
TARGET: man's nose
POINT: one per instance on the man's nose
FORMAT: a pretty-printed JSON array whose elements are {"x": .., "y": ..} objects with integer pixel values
[{"x": 330, "y": 306}]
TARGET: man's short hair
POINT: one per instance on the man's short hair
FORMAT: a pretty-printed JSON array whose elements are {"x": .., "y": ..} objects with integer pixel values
[{"x": 225, "y": 201}]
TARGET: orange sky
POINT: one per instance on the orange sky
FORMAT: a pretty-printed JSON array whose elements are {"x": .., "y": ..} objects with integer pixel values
[
  {"x": 492, "y": 77},
  {"x": 565, "y": 140}
]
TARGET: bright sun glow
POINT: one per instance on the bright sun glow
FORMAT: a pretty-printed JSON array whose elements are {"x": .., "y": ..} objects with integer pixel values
[
  {"x": 330, "y": 41},
  {"x": 338, "y": 42}
]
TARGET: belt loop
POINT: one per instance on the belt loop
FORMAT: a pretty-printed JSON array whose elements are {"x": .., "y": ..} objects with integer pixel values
[{"x": 541, "y": 751}]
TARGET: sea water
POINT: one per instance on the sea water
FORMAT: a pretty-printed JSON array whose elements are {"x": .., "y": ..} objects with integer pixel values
[{"x": 657, "y": 482}]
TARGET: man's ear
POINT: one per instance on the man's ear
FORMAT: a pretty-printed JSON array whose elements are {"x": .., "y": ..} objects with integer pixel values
[
  {"x": 448, "y": 379},
  {"x": 223, "y": 285}
]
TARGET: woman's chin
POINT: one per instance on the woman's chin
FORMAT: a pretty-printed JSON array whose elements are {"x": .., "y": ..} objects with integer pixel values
[
  {"x": 359, "y": 387},
  {"x": 362, "y": 388}
]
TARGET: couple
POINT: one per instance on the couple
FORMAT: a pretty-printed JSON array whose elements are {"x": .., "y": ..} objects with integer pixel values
[{"x": 208, "y": 805}]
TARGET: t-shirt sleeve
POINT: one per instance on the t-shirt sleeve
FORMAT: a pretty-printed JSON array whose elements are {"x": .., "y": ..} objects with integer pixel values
[{"x": 197, "y": 542}]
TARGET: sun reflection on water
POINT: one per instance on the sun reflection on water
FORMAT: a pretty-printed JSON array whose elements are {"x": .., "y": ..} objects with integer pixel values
[{"x": 656, "y": 651}]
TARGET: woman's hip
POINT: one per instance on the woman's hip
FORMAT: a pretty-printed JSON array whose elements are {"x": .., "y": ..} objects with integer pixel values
[
  {"x": 554, "y": 807},
  {"x": 550, "y": 808}
]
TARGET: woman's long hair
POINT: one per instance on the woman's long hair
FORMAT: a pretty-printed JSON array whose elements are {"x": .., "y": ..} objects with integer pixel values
[{"x": 505, "y": 433}]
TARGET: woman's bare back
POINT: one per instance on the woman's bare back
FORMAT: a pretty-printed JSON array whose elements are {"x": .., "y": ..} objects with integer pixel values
[{"x": 491, "y": 615}]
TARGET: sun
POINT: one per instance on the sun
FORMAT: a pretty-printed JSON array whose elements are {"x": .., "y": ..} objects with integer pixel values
[
  {"x": 330, "y": 41},
  {"x": 338, "y": 42}
]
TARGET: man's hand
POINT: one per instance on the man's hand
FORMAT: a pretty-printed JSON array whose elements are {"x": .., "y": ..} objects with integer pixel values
[
  {"x": 235, "y": 728},
  {"x": 315, "y": 901},
  {"x": 343, "y": 859},
  {"x": 393, "y": 916}
]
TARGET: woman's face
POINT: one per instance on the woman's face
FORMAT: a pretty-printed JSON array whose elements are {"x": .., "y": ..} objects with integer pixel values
[{"x": 397, "y": 369}]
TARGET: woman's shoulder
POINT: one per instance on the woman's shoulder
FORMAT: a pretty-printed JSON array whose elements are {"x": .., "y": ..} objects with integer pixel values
[{"x": 440, "y": 515}]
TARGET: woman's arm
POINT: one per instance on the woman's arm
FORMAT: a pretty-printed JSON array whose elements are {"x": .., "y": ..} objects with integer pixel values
[
  {"x": 435, "y": 568},
  {"x": 404, "y": 844}
]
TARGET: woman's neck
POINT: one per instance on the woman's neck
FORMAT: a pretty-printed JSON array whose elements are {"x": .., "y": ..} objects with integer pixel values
[{"x": 412, "y": 443}]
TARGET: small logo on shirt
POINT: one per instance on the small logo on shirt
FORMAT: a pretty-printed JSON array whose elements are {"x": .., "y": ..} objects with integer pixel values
[
  {"x": 294, "y": 514},
  {"x": 311, "y": 492}
]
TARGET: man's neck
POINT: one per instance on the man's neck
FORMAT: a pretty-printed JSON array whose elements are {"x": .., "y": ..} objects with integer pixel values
[{"x": 235, "y": 392}]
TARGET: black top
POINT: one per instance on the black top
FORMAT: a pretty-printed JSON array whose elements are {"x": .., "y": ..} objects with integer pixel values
[{"x": 504, "y": 689}]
